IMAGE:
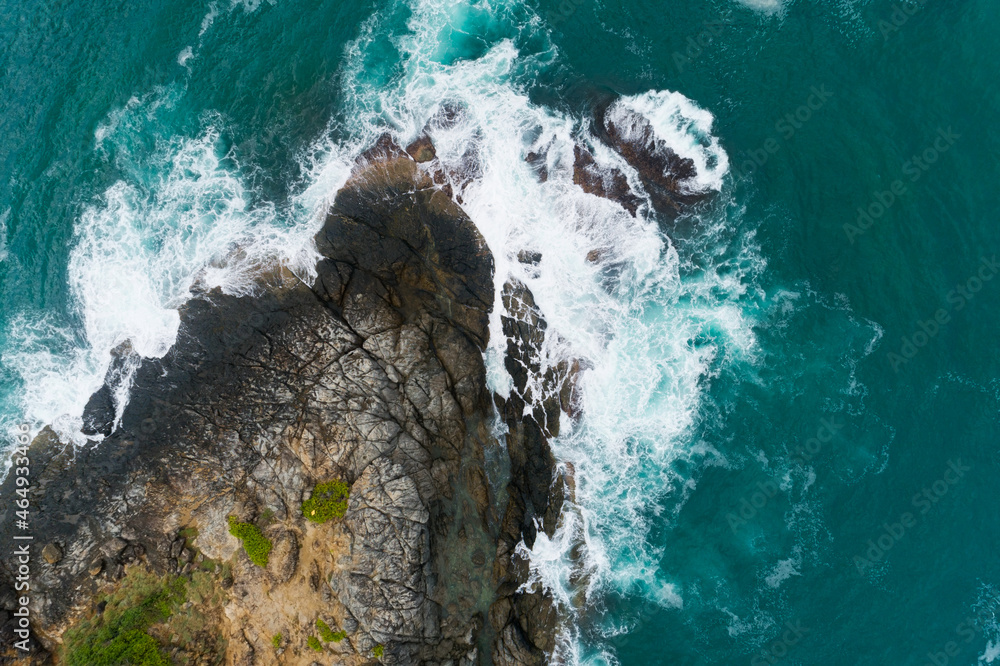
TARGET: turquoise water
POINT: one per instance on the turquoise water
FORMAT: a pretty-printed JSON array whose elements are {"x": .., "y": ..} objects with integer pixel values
[{"x": 772, "y": 392}]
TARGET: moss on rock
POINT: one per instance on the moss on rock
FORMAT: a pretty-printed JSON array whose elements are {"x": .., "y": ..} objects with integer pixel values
[
  {"x": 256, "y": 545},
  {"x": 328, "y": 500}
]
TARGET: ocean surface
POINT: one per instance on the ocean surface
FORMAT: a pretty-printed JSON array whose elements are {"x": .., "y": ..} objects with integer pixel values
[{"x": 789, "y": 445}]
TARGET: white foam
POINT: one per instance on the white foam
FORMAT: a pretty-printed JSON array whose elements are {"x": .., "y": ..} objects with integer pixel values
[
  {"x": 184, "y": 56},
  {"x": 782, "y": 571},
  {"x": 210, "y": 16},
  {"x": 768, "y": 7},
  {"x": 683, "y": 126},
  {"x": 3, "y": 234},
  {"x": 987, "y": 611},
  {"x": 251, "y": 5},
  {"x": 173, "y": 222}
]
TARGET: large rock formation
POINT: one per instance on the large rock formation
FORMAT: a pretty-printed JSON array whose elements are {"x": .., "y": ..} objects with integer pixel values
[{"x": 374, "y": 376}]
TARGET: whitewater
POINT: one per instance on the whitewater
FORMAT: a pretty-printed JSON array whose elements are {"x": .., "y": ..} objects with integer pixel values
[{"x": 665, "y": 308}]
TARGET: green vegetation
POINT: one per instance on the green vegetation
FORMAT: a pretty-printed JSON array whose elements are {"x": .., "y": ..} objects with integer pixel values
[
  {"x": 256, "y": 545},
  {"x": 328, "y": 634},
  {"x": 378, "y": 651},
  {"x": 328, "y": 500},
  {"x": 314, "y": 643},
  {"x": 325, "y": 632},
  {"x": 120, "y": 635},
  {"x": 276, "y": 641}
]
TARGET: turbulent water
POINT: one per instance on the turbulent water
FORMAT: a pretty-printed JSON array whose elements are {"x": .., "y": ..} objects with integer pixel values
[{"x": 787, "y": 449}]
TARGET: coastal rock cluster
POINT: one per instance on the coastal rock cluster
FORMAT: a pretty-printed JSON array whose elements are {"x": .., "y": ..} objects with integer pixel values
[{"x": 186, "y": 533}]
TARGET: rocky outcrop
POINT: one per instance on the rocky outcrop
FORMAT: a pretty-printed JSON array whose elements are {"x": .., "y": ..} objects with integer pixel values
[
  {"x": 609, "y": 183},
  {"x": 525, "y": 620},
  {"x": 374, "y": 376},
  {"x": 664, "y": 174}
]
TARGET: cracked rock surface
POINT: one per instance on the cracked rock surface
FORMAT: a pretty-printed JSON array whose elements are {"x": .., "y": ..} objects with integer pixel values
[{"x": 372, "y": 375}]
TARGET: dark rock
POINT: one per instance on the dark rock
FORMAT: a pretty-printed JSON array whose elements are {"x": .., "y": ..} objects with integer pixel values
[
  {"x": 609, "y": 183},
  {"x": 114, "y": 546},
  {"x": 385, "y": 148},
  {"x": 371, "y": 375},
  {"x": 525, "y": 623},
  {"x": 529, "y": 257},
  {"x": 538, "y": 163},
  {"x": 663, "y": 172},
  {"x": 99, "y": 413}
]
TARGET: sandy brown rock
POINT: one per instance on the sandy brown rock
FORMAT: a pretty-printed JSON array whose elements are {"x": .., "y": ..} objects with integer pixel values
[{"x": 421, "y": 150}]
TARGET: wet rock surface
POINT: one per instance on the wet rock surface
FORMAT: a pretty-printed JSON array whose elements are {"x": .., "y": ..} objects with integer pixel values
[
  {"x": 372, "y": 375},
  {"x": 525, "y": 621},
  {"x": 607, "y": 183},
  {"x": 663, "y": 172}
]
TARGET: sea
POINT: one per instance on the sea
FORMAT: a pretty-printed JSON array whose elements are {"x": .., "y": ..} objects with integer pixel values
[{"x": 787, "y": 449}]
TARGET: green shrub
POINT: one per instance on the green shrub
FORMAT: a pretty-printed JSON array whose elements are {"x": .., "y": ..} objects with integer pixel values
[
  {"x": 276, "y": 641},
  {"x": 325, "y": 632},
  {"x": 378, "y": 650},
  {"x": 256, "y": 545},
  {"x": 313, "y": 642},
  {"x": 328, "y": 500},
  {"x": 120, "y": 635},
  {"x": 338, "y": 636}
]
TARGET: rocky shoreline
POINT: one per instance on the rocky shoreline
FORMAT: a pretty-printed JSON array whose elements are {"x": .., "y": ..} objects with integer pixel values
[{"x": 184, "y": 532}]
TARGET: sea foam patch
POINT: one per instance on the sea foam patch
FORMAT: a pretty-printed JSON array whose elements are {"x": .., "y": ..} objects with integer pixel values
[
  {"x": 3, "y": 234},
  {"x": 180, "y": 218}
]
